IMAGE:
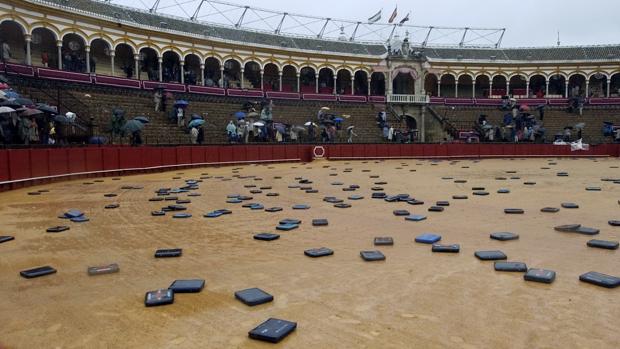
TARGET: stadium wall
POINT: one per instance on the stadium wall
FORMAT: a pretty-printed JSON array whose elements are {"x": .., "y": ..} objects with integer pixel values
[{"x": 26, "y": 167}]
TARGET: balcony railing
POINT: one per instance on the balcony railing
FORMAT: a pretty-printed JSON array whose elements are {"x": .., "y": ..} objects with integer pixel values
[{"x": 409, "y": 99}]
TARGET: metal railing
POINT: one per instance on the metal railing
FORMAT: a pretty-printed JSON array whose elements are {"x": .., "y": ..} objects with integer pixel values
[{"x": 408, "y": 99}]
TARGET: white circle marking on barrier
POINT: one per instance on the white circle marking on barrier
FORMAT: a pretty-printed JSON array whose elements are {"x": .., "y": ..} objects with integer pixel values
[{"x": 318, "y": 152}]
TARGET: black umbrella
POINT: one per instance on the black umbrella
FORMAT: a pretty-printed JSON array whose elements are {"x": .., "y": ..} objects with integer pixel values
[
  {"x": 142, "y": 119},
  {"x": 47, "y": 109},
  {"x": 132, "y": 126},
  {"x": 24, "y": 101},
  {"x": 61, "y": 119},
  {"x": 10, "y": 104}
]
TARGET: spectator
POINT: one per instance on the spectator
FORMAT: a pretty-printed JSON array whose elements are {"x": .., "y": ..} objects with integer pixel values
[
  {"x": 193, "y": 135},
  {"x": 350, "y": 134},
  {"x": 180, "y": 117},
  {"x": 157, "y": 99},
  {"x": 45, "y": 59},
  {"x": 201, "y": 135},
  {"x": 6, "y": 52},
  {"x": 390, "y": 136},
  {"x": 231, "y": 130},
  {"x": 136, "y": 138}
]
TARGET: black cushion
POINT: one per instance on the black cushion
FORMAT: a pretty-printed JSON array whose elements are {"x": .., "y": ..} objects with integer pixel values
[
  {"x": 319, "y": 252},
  {"x": 511, "y": 266},
  {"x": 550, "y": 209},
  {"x": 159, "y": 297},
  {"x": 540, "y": 275},
  {"x": 569, "y": 205},
  {"x": 490, "y": 255},
  {"x": 384, "y": 241},
  {"x": 253, "y": 296},
  {"x": 372, "y": 255},
  {"x": 187, "y": 286},
  {"x": 504, "y": 236},
  {"x": 435, "y": 209},
  {"x": 319, "y": 222},
  {"x": 401, "y": 212},
  {"x": 37, "y": 272},
  {"x": 266, "y": 237},
  {"x": 454, "y": 248},
  {"x": 167, "y": 253},
  {"x": 273, "y": 330},
  {"x": 58, "y": 229},
  {"x": 290, "y": 221},
  {"x": 513, "y": 211},
  {"x": 600, "y": 279},
  {"x": 104, "y": 269},
  {"x": 608, "y": 245},
  {"x": 6, "y": 238}
]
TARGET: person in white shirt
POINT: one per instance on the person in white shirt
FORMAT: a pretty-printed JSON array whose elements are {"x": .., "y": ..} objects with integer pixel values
[{"x": 193, "y": 134}]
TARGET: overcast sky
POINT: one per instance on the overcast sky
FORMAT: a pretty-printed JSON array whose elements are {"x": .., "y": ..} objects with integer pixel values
[{"x": 530, "y": 23}]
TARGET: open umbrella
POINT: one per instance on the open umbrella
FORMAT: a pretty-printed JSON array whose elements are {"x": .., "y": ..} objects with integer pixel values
[
  {"x": 338, "y": 119},
  {"x": 31, "y": 112},
  {"x": 196, "y": 123},
  {"x": 310, "y": 123},
  {"x": 258, "y": 124},
  {"x": 181, "y": 103},
  {"x": 253, "y": 114},
  {"x": 196, "y": 117},
  {"x": 47, "y": 109},
  {"x": 298, "y": 128},
  {"x": 580, "y": 126},
  {"x": 10, "y": 103},
  {"x": 24, "y": 101},
  {"x": 239, "y": 115},
  {"x": 132, "y": 126},
  {"x": 280, "y": 127},
  {"x": 350, "y": 128},
  {"x": 11, "y": 94},
  {"x": 4, "y": 86},
  {"x": 4, "y": 110},
  {"x": 61, "y": 119},
  {"x": 525, "y": 107},
  {"x": 324, "y": 108},
  {"x": 142, "y": 119}
]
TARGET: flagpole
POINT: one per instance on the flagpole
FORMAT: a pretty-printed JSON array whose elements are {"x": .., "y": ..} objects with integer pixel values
[{"x": 392, "y": 33}]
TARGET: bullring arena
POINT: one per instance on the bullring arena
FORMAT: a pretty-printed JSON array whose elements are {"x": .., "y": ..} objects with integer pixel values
[{"x": 169, "y": 179}]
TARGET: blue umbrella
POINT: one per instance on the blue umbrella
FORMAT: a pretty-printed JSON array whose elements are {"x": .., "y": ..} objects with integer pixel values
[
  {"x": 338, "y": 119},
  {"x": 11, "y": 94},
  {"x": 142, "y": 119},
  {"x": 132, "y": 126},
  {"x": 196, "y": 117},
  {"x": 240, "y": 115},
  {"x": 196, "y": 123},
  {"x": 181, "y": 103}
]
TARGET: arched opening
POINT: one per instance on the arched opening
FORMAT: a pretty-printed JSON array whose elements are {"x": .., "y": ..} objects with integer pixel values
[
  {"x": 411, "y": 123},
  {"x": 73, "y": 53},
  {"x": 43, "y": 48},
  {"x": 100, "y": 57},
  {"x": 232, "y": 74},
  {"x": 466, "y": 86},
  {"x": 483, "y": 84},
  {"x": 124, "y": 61},
  {"x": 149, "y": 64},
  {"x": 557, "y": 86},
  {"x": 12, "y": 34},
  {"x": 307, "y": 80},
  {"x": 499, "y": 86},
  {"x": 448, "y": 86},
  {"x": 518, "y": 86},
  {"x": 271, "y": 77},
  {"x": 598, "y": 86},
  {"x": 377, "y": 84},
  {"x": 289, "y": 79},
  {"x": 343, "y": 82},
  {"x": 251, "y": 75},
  {"x": 576, "y": 85},
  {"x": 360, "y": 85},
  {"x": 171, "y": 67},
  {"x": 212, "y": 72},
  {"x": 614, "y": 87},
  {"x": 191, "y": 69},
  {"x": 403, "y": 84},
  {"x": 326, "y": 81},
  {"x": 538, "y": 86},
  {"x": 430, "y": 85}
]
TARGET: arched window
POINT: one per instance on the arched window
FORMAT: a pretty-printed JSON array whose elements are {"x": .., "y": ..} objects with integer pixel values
[
  {"x": 124, "y": 61},
  {"x": 466, "y": 86},
  {"x": 43, "y": 48},
  {"x": 377, "y": 84},
  {"x": 12, "y": 33},
  {"x": 73, "y": 53},
  {"x": 100, "y": 57},
  {"x": 448, "y": 85},
  {"x": 212, "y": 72},
  {"x": 538, "y": 86},
  {"x": 308, "y": 80},
  {"x": 149, "y": 64},
  {"x": 483, "y": 83},
  {"x": 289, "y": 79},
  {"x": 271, "y": 77},
  {"x": 343, "y": 82}
]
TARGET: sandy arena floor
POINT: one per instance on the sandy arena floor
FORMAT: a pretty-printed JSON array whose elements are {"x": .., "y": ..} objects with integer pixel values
[{"x": 414, "y": 299}]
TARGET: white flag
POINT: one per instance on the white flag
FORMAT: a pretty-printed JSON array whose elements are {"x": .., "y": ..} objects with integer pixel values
[{"x": 375, "y": 18}]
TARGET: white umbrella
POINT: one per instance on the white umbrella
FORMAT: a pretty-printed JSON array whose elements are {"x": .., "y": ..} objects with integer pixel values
[
  {"x": 310, "y": 123},
  {"x": 350, "y": 127},
  {"x": 324, "y": 108},
  {"x": 258, "y": 124},
  {"x": 4, "y": 110}
]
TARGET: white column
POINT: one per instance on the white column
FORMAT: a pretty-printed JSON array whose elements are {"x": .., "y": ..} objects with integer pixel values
[
  {"x": 438, "y": 88},
  {"x": 87, "y": 49},
  {"x": 369, "y": 80},
  {"x": 335, "y": 80},
  {"x": 112, "y": 54},
  {"x": 316, "y": 83},
  {"x": 202, "y": 74},
  {"x": 59, "y": 46},
  {"x": 566, "y": 89},
  {"x": 490, "y": 88},
  {"x": 546, "y": 87},
  {"x": 242, "y": 78},
  {"x": 136, "y": 62},
  {"x": 587, "y": 88},
  {"x": 222, "y": 76},
  {"x": 182, "y": 72},
  {"x": 608, "y": 87},
  {"x": 262, "y": 75},
  {"x": 352, "y": 85},
  {"x": 507, "y": 87},
  {"x": 280, "y": 76},
  {"x": 456, "y": 89},
  {"x": 390, "y": 84},
  {"x": 298, "y": 83},
  {"x": 473, "y": 89},
  {"x": 527, "y": 89},
  {"x": 28, "y": 50},
  {"x": 160, "y": 61}
]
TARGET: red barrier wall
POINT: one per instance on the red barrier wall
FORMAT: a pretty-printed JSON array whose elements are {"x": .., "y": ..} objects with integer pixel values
[{"x": 19, "y": 167}]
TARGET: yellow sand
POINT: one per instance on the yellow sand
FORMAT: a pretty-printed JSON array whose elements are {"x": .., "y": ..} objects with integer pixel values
[{"x": 415, "y": 299}]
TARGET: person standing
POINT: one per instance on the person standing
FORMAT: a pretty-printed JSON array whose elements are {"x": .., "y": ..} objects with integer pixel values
[
  {"x": 45, "y": 59},
  {"x": 351, "y": 134},
  {"x": 157, "y": 99},
  {"x": 193, "y": 135},
  {"x": 201, "y": 135},
  {"x": 6, "y": 52},
  {"x": 180, "y": 119}
]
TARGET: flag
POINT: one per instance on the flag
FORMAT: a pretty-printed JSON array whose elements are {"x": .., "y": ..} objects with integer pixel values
[
  {"x": 406, "y": 19},
  {"x": 375, "y": 18},
  {"x": 394, "y": 14}
]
